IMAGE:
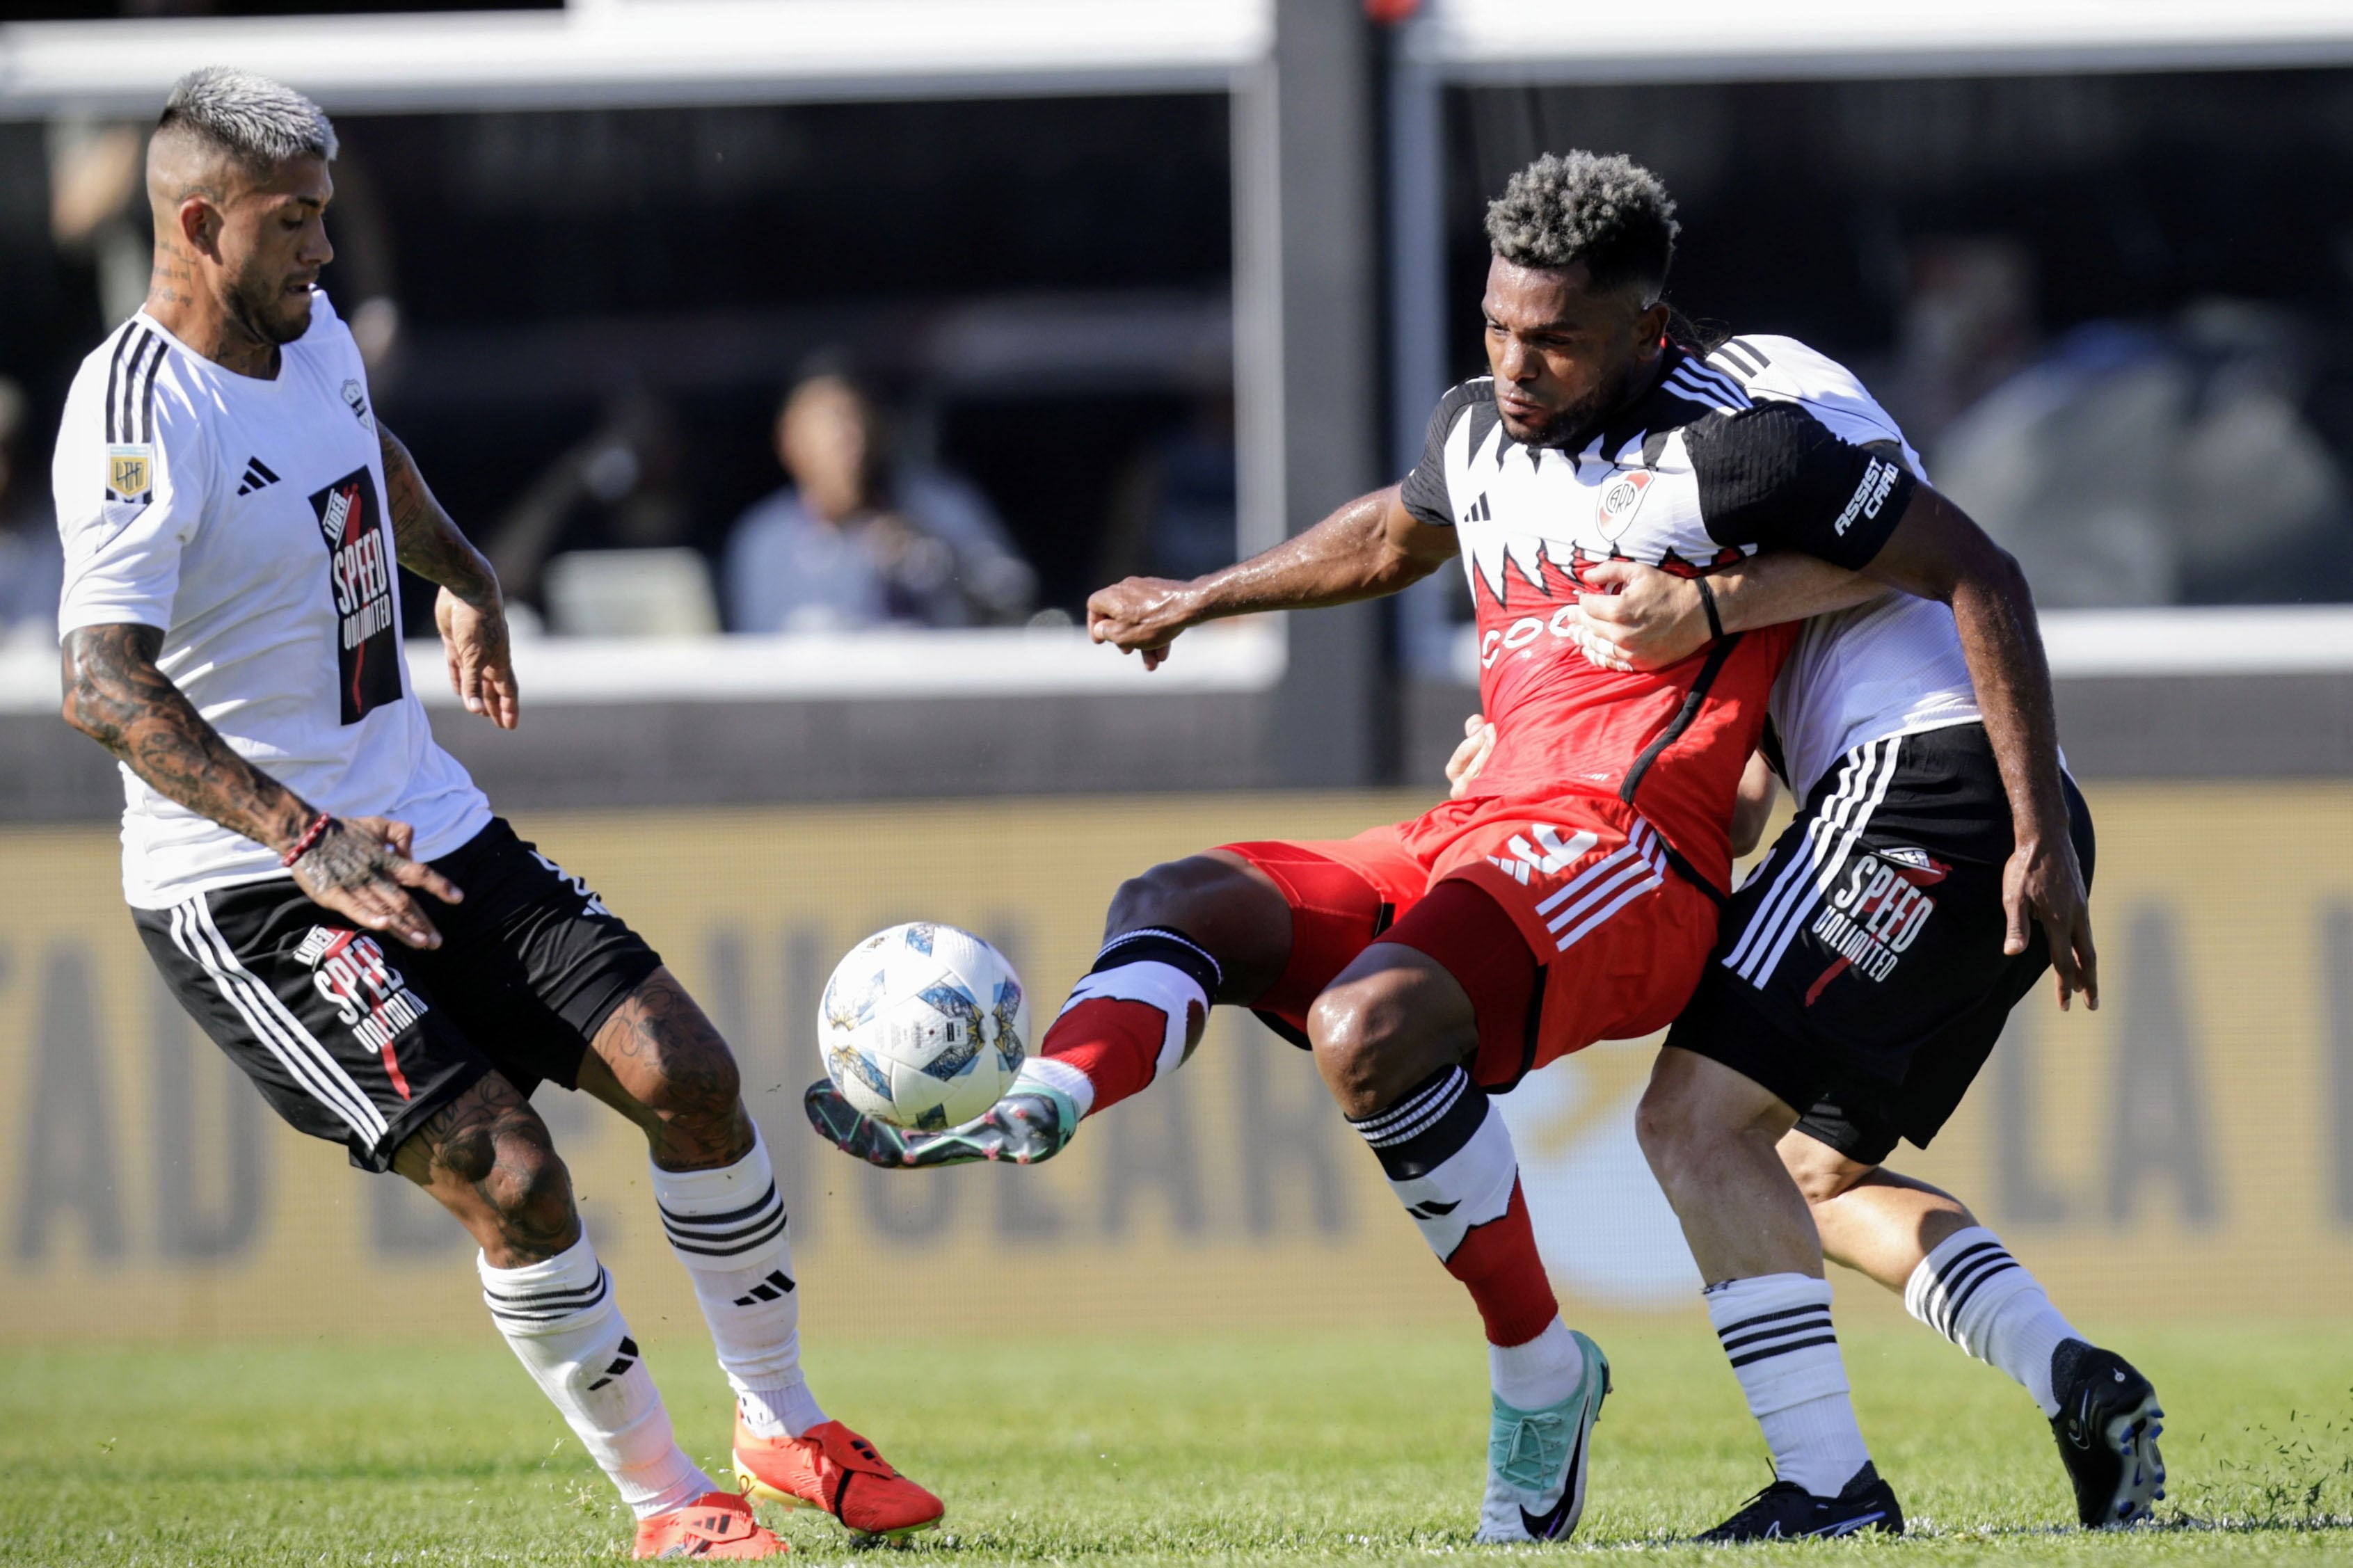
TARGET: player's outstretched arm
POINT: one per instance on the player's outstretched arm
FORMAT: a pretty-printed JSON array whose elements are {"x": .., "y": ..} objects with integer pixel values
[
  {"x": 1367, "y": 548},
  {"x": 1644, "y": 618},
  {"x": 1938, "y": 552},
  {"x": 468, "y": 610},
  {"x": 360, "y": 867}
]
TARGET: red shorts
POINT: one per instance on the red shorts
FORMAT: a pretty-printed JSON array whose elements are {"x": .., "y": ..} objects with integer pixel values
[{"x": 1561, "y": 918}]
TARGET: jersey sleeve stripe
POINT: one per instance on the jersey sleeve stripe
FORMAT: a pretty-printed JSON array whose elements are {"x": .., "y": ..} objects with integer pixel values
[
  {"x": 114, "y": 381},
  {"x": 131, "y": 384},
  {"x": 1745, "y": 360},
  {"x": 147, "y": 390},
  {"x": 1713, "y": 391}
]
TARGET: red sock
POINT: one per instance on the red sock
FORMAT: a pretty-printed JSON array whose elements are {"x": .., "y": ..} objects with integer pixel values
[
  {"x": 1136, "y": 1015},
  {"x": 1116, "y": 1044},
  {"x": 1498, "y": 1264}
]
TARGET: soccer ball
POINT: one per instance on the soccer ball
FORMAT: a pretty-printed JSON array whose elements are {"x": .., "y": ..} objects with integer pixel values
[{"x": 922, "y": 1025}]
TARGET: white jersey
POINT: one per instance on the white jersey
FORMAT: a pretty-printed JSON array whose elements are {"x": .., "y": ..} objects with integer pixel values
[
  {"x": 246, "y": 519},
  {"x": 1892, "y": 668}
]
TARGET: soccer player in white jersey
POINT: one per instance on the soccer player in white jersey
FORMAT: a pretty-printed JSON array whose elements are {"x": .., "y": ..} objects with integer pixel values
[
  {"x": 1862, "y": 976},
  {"x": 232, "y": 514}
]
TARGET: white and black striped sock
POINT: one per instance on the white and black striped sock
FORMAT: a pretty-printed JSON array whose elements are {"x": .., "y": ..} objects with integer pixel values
[
  {"x": 1972, "y": 1291},
  {"x": 1776, "y": 1331},
  {"x": 560, "y": 1319},
  {"x": 1448, "y": 1156},
  {"x": 727, "y": 1227}
]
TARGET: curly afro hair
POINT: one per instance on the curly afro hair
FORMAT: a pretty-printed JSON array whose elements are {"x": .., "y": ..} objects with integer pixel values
[{"x": 1603, "y": 209}]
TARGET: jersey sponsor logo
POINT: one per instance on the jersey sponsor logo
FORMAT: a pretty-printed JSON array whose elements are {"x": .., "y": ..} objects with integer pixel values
[
  {"x": 356, "y": 400},
  {"x": 358, "y": 570},
  {"x": 1501, "y": 640},
  {"x": 1877, "y": 910},
  {"x": 1869, "y": 495},
  {"x": 130, "y": 471},
  {"x": 1619, "y": 498},
  {"x": 348, "y": 971}
]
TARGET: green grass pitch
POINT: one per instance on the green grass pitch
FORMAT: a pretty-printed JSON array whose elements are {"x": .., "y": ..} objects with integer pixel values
[{"x": 1277, "y": 1447}]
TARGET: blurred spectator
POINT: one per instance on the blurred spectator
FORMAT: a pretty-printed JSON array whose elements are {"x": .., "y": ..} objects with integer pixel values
[
  {"x": 860, "y": 541},
  {"x": 32, "y": 564},
  {"x": 1966, "y": 326},
  {"x": 2160, "y": 464},
  {"x": 1173, "y": 512},
  {"x": 617, "y": 492}
]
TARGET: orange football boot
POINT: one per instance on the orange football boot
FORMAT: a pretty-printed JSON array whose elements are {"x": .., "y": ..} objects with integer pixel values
[
  {"x": 832, "y": 1467},
  {"x": 716, "y": 1524}
]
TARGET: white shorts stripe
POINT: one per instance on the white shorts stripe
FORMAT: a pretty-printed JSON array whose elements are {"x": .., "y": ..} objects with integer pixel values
[
  {"x": 1632, "y": 871},
  {"x": 1852, "y": 774},
  {"x": 1764, "y": 960},
  {"x": 299, "y": 1070},
  {"x": 1854, "y": 779},
  {"x": 307, "y": 1061},
  {"x": 1578, "y": 933},
  {"x": 1584, "y": 879},
  {"x": 1642, "y": 842}
]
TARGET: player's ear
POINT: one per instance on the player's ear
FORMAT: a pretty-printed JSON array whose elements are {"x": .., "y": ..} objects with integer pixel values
[
  {"x": 1651, "y": 330},
  {"x": 200, "y": 226}
]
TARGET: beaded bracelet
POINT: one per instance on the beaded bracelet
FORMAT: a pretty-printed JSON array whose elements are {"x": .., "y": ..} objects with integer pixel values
[{"x": 310, "y": 840}]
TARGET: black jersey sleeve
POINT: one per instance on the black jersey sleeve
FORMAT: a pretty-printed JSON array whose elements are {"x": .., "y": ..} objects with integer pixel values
[
  {"x": 1775, "y": 477},
  {"x": 1424, "y": 490}
]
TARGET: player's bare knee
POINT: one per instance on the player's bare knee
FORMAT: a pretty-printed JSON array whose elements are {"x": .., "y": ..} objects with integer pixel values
[
  {"x": 530, "y": 1191},
  {"x": 1365, "y": 1044},
  {"x": 1180, "y": 894},
  {"x": 1668, "y": 1132}
]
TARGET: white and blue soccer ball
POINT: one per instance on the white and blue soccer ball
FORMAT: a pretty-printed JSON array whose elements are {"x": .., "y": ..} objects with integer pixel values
[{"x": 922, "y": 1025}]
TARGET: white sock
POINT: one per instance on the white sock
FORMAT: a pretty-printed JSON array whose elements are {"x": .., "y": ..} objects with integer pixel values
[
  {"x": 562, "y": 1323},
  {"x": 1541, "y": 1373},
  {"x": 1972, "y": 1291},
  {"x": 1046, "y": 1072},
  {"x": 727, "y": 1227},
  {"x": 1777, "y": 1331}
]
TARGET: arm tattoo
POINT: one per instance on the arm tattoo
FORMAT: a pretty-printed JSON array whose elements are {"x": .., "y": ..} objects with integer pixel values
[
  {"x": 115, "y": 695},
  {"x": 425, "y": 539}
]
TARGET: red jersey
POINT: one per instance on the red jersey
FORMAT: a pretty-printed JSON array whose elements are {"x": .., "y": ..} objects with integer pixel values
[{"x": 1688, "y": 477}]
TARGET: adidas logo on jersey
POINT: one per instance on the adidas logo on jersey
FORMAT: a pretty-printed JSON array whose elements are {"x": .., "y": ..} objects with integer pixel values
[
  {"x": 256, "y": 477},
  {"x": 1479, "y": 511}
]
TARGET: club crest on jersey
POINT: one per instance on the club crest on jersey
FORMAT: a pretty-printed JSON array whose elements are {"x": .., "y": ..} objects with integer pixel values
[
  {"x": 357, "y": 399},
  {"x": 130, "y": 471},
  {"x": 1620, "y": 498}
]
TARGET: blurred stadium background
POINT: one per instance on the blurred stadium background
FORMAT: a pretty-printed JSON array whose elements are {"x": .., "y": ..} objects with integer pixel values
[{"x": 1113, "y": 287}]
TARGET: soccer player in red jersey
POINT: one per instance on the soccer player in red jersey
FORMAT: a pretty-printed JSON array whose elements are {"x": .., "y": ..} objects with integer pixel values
[{"x": 1572, "y": 895}]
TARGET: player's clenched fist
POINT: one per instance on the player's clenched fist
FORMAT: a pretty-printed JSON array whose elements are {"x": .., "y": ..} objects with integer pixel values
[{"x": 1141, "y": 614}]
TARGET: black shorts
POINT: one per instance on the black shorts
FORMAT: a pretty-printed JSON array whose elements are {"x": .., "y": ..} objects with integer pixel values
[
  {"x": 357, "y": 1039},
  {"x": 1858, "y": 973}
]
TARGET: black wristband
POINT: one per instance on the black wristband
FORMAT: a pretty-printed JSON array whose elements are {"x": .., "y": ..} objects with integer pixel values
[{"x": 1707, "y": 602}]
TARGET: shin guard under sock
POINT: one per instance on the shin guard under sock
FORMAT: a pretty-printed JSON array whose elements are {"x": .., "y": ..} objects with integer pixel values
[{"x": 1136, "y": 1015}]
